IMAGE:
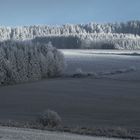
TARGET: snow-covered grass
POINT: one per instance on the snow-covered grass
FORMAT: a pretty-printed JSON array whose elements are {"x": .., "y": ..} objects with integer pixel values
[
  {"x": 104, "y": 62},
  {"x": 72, "y": 52},
  {"x": 30, "y": 134}
]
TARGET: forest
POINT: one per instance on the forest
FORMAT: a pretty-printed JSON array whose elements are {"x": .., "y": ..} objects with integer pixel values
[{"x": 79, "y": 36}]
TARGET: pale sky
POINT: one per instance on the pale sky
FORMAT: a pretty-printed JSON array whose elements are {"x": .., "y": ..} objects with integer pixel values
[{"x": 52, "y": 12}]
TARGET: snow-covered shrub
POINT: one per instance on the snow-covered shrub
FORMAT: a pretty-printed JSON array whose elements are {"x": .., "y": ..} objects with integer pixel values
[
  {"x": 79, "y": 71},
  {"x": 27, "y": 61},
  {"x": 49, "y": 118}
]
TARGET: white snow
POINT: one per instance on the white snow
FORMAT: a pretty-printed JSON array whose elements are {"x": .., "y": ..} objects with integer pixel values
[
  {"x": 71, "y": 52},
  {"x": 30, "y": 134}
]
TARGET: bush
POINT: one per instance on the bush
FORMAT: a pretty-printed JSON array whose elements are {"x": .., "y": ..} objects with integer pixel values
[
  {"x": 50, "y": 118},
  {"x": 79, "y": 73}
]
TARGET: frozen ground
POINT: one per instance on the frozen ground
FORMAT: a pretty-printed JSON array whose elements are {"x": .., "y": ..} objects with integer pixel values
[
  {"x": 73, "y": 52},
  {"x": 105, "y": 61},
  {"x": 110, "y": 101},
  {"x": 30, "y": 134}
]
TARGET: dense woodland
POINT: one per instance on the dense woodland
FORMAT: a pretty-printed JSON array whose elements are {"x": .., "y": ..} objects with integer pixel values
[
  {"x": 92, "y": 35},
  {"x": 92, "y": 41}
]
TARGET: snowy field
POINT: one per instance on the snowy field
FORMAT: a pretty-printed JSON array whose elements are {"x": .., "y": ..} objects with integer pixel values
[
  {"x": 72, "y": 52},
  {"x": 105, "y": 62},
  {"x": 112, "y": 100},
  {"x": 30, "y": 134}
]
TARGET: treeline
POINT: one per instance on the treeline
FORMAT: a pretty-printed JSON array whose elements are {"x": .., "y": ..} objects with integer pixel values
[
  {"x": 30, "y": 32},
  {"x": 92, "y": 41},
  {"x": 27, "y": 61},
  {"x": 85, "y": 36}
]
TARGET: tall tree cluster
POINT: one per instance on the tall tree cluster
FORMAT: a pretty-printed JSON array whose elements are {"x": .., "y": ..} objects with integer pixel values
[{"x": 27, "y": 61}]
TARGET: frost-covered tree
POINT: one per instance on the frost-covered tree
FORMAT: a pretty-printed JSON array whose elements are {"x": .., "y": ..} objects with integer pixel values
[
  {"x": 93, "y": 35},
  {"x": 93, "y": 41},
  {"x": 30, "y": 32},
  {"x": 27, "y": 61}
]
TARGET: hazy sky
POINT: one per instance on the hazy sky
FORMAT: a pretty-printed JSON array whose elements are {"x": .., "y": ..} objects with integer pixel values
[{"x": 29, "y": 12}]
